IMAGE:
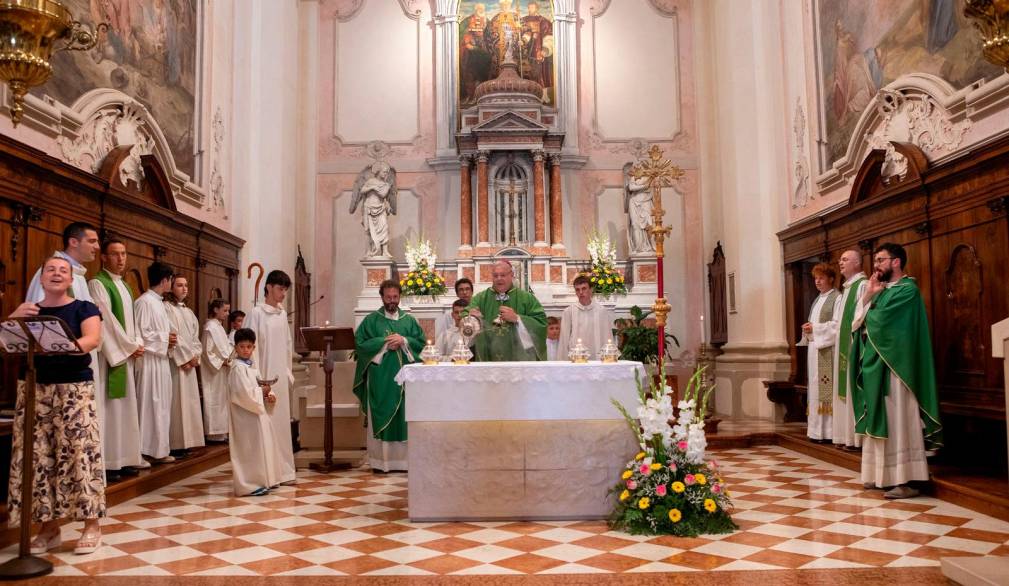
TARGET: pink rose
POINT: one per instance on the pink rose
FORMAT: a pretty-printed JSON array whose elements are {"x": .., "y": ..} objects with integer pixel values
[
  {"x": 672, "y": 467},
  {"x": 682, "y": 446},
  {"x": 631, "y": 485},
  {"x": 660, "y": 490},
  {"x": 689, "y": 479},
  {"x": 713, "y": 464},
  {"x": 645, "y": 469},
  {"x": 716, "y": 488}
]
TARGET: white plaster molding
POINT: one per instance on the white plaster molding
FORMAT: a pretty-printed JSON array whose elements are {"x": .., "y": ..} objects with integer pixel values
[
  {"x": 665, "y": 8},
  {"x": 566, "y": 66},
  {"x": 446, "y": 39},
  {"x": 341, "y": 10},
  {"x": 924, "y": 110},
  {"x": 598, "y": 7},
  {"x": 103, "y": 119},
  {"x": 216, "y": 178},
  {"x": 800, "y": 164}
]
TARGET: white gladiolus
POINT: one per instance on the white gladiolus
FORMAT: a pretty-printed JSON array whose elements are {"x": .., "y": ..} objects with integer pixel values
[{"x": 421, "y": 255}]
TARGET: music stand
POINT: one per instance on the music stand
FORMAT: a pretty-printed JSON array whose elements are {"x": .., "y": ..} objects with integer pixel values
[
  {"x": 327, "y": 339},
  {"x": 31, "y": 336}
]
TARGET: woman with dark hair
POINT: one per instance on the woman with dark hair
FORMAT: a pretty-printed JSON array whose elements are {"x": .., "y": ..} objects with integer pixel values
[
  {"x": 820, "y": 333},
  {"x": 68, "y": 476},
  {"x": 217, "y": 349}
]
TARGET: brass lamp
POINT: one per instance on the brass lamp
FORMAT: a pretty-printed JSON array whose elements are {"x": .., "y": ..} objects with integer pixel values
[
  {"x": 30, "y": 32},
  {"x": 991, "y": 17}
]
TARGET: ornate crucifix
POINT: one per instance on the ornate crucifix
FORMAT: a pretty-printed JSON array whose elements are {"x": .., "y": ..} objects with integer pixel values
[
  {"x": 511, "y": 191},
  {"x": 658, "y": 173}
]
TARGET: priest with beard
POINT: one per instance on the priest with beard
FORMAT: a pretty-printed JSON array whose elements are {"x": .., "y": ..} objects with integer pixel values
[
  {"x": 894, "y": 390},
  {"x": 584, "y": 320},
  {"x": 514, "y": 323},
  {"x": 386, "y": 340}
]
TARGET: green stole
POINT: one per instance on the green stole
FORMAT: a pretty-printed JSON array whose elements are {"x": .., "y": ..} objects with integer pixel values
[
  {"x": 844, "y": 338},
  {"x": 894, "y": 338},
  {"x": 825, "y": 360},
  {"x": 500, "y": 342},
  {"x": 382, "y": 399},
  {"x": 116, "y": 380}
]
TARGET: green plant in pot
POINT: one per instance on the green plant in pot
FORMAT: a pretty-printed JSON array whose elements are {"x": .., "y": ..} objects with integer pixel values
[{"x": 640, "y": 342}]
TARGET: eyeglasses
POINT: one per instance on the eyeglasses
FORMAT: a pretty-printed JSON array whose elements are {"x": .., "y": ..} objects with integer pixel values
[{"x": 879, "y": 260}]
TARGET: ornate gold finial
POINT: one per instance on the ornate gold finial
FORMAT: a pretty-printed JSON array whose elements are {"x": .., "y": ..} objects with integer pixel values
[
  {"x": 991, "y": 17},
  {"x": 658, "y": 172},
  {"x": 32, "y": 30}
]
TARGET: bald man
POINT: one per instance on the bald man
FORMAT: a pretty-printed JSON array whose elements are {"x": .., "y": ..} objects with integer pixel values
[
  {"x": 855, "y": 281},
  {"x": 514, "y": 323}
]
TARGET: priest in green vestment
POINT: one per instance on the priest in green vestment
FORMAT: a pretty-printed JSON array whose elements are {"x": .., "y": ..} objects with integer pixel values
[
  {"x": 385, "y": 341},
  {"x": 894, "y": 390},
  {"x": 514, "y": 323}
]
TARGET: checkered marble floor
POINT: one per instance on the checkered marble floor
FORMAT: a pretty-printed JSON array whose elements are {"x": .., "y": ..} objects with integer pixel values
[{"x": 794, "y": 512}]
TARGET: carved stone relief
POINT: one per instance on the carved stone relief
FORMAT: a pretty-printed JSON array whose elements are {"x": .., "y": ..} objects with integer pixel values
[
  {"x": 106, "y": 129},
  {"x": 800, "y": 195},
  {"x": 916, "y": 118},
  {"x": 216, "y": 178}
]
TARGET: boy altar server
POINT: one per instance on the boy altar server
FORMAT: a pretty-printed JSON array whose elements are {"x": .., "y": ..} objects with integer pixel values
[
  {"x": 253, "y": 449},
  {"x": 154, "y": 372},
  {"x": 217, "y": 350},
  {"x": 186, "y": 430}
]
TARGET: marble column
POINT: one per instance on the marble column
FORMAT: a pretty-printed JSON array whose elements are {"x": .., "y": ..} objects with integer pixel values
[
  {"x": 465, "y": 204},
  {"x": 556, "y": 214},
  {"x": 483, "y": 215},
  {"x": 539, "y": 205}
]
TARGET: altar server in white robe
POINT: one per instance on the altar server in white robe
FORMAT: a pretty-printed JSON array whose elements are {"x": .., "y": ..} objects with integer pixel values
[
  {"x": 254, "y": 463},
  {"x": 855, "y": 283},
  {"x": 154, "y": 373},
  {"x": 117, "y": 401},
  {"x": 236, "y": 321},
  {"x": 217, "y": 350},
  {"x": 186, "y": 430},
  {"x": 449, "y": 336},
  {"x": 586, "y": 320},
  {"x": 820, "y": 335},
  {"x": 273, "y": 356},
  {"x": 463, "y": 292},
  {"x": 553, "y": 337}
]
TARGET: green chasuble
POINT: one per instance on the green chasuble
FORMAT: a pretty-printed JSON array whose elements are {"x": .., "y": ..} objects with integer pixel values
[
  {"x": 501, "y": 343},
  {"x": 844, "y": 338},
  {"x": 382, "y": 399},
  {"x": 894, "y": 336}
]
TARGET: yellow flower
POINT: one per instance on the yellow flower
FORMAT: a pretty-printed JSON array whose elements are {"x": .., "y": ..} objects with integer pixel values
[
  {"x": 609, "y": 281},
  {"x": 402, "y": 282},
  {"x": 656, "y": 466},
  {"x": 625, "y": 495},
  {"x": 627, "y": 474},
  {"x": 710, "y": 505},
  {"x": 593, "y": 280},
  {"x": 675, "y": 515},
  {"x": 620, "y": 279},
  {"x": 700, "y": 478},
  {"x": 644, "y": 503},
  {"x": 428, "y": 284},
  {"x": 678, "y": 486},
  {"x": 409, "y": 282},
  {"x": 640, "y": 456}
]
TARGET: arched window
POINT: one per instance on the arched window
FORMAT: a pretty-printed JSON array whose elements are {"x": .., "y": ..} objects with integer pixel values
[{"x": 510, "y": 187}]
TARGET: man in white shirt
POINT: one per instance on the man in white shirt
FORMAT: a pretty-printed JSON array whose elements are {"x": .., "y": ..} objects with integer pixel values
[{"x": 585, "y": 320}]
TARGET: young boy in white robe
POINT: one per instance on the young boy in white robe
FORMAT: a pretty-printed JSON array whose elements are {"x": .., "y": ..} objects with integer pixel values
[
  {"x": 450, "y": 335},
  {"x": 236, "y": 319},
  {"x": 253, "y": 447},
  {"x": 553, "y": 337},
  {"x": 217, "y": 350},
  {"x": 186, "y": 430}
]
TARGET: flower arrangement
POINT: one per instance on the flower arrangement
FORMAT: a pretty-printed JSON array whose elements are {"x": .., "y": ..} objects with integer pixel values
[
  {"x": 421, "y": 278},
  {"x": 603, "y": 274},
  {"x": 668, "y": 487}
]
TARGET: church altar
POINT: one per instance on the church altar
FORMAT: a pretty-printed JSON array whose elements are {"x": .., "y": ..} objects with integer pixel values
[{"x": 519, "y": 440}]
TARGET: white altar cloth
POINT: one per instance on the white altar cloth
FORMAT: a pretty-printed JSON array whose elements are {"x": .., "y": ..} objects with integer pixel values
[{"x": 519, "y": 391}]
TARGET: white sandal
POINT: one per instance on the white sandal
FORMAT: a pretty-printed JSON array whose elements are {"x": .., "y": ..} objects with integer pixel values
[
  {"x": 92, "y": 541},
  {"x": 41, "y": 545}
]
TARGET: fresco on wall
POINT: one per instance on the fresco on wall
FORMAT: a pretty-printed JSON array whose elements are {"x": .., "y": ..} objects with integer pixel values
[
  {"x": 149, "y": 54},
  {"x": 487, "y": 29},
  {"x": 866, "y": 44}
]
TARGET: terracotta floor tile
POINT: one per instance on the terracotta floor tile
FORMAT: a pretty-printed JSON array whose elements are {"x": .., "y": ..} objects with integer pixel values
[
  {"x": 782, "y": 559},
  {"x": 297, "y": 545},
  {"x": 445, "y": 564},
  {"x": 176, "y": 529},
  {"x": 137, "y": 516},
  {"x": 979, "y": 535},
  {"x": 679, "y": 542},
  {"x": 831, "y": 537},
  {"x": 603, "y": 542},
  {"x": 450, "y": 544},
  {"x": 754, "y": 539},
  {"x": 934, "y": 553},
  {"x": 454, "y": 528},
  {"x": 385, "y": 529},
  {"x": 591, "y": 526},
  {"x": 360, "y": 565},
  {"x": 246, "y": 529},
  {"x": 265, "y": 515},
  {"x": 369, "y": 546},
  {"x": 1002, "y": 550},
  {"x": 939, "y": 519},
  {"x": 872, "y": 521},
  {"x": 146, "y": 545},
  {"x": 395, "y": 515},
  {"x": 862, "y": 556},
  {"x": 313, "y": 529},
  {"x": 905, "y": 536},
  {"x": 198, "y": 516},
  {"x": 698, "y": 561},
  {"x": 803, "y": 522},
  {"x": 165, "y": 504},
  {"x": 328, "y": 515},
  {"x": 526, "y": 543},
  {"x": 780, "y": 509},
  {"x": 528, "y": 563},
  {"x": 220, "y": 545},
  {"x": 525, "y": 528},
  {"x": 190, "y": 565},
  {"x": 115, "y": 564},
  {"x": 906, "y": 506},
  {"x": 110, "y": 528},
  {"x": 276, "y": 565}
]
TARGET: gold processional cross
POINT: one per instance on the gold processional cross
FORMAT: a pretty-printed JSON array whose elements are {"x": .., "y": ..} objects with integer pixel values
[{"x": 659, "y": 173}]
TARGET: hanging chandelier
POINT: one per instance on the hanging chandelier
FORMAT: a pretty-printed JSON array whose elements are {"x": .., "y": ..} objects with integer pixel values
[
  {"x": 991, "y": 17},
  {"x": 30, "y": 32}
]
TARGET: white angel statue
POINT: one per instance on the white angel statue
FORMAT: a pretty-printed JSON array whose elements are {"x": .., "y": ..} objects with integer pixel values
[{"x": 376, "y": 185}]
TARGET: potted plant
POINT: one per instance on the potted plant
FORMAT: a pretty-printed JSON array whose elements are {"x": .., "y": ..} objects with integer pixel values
[{"x": 640, "y": 342}]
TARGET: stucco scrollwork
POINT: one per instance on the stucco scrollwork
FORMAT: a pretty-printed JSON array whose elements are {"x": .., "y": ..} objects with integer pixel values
[
  {"x": 216, "y": 178},
  {"x": 107, "y": 128},
  {"x": 800, "y": 166}
]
